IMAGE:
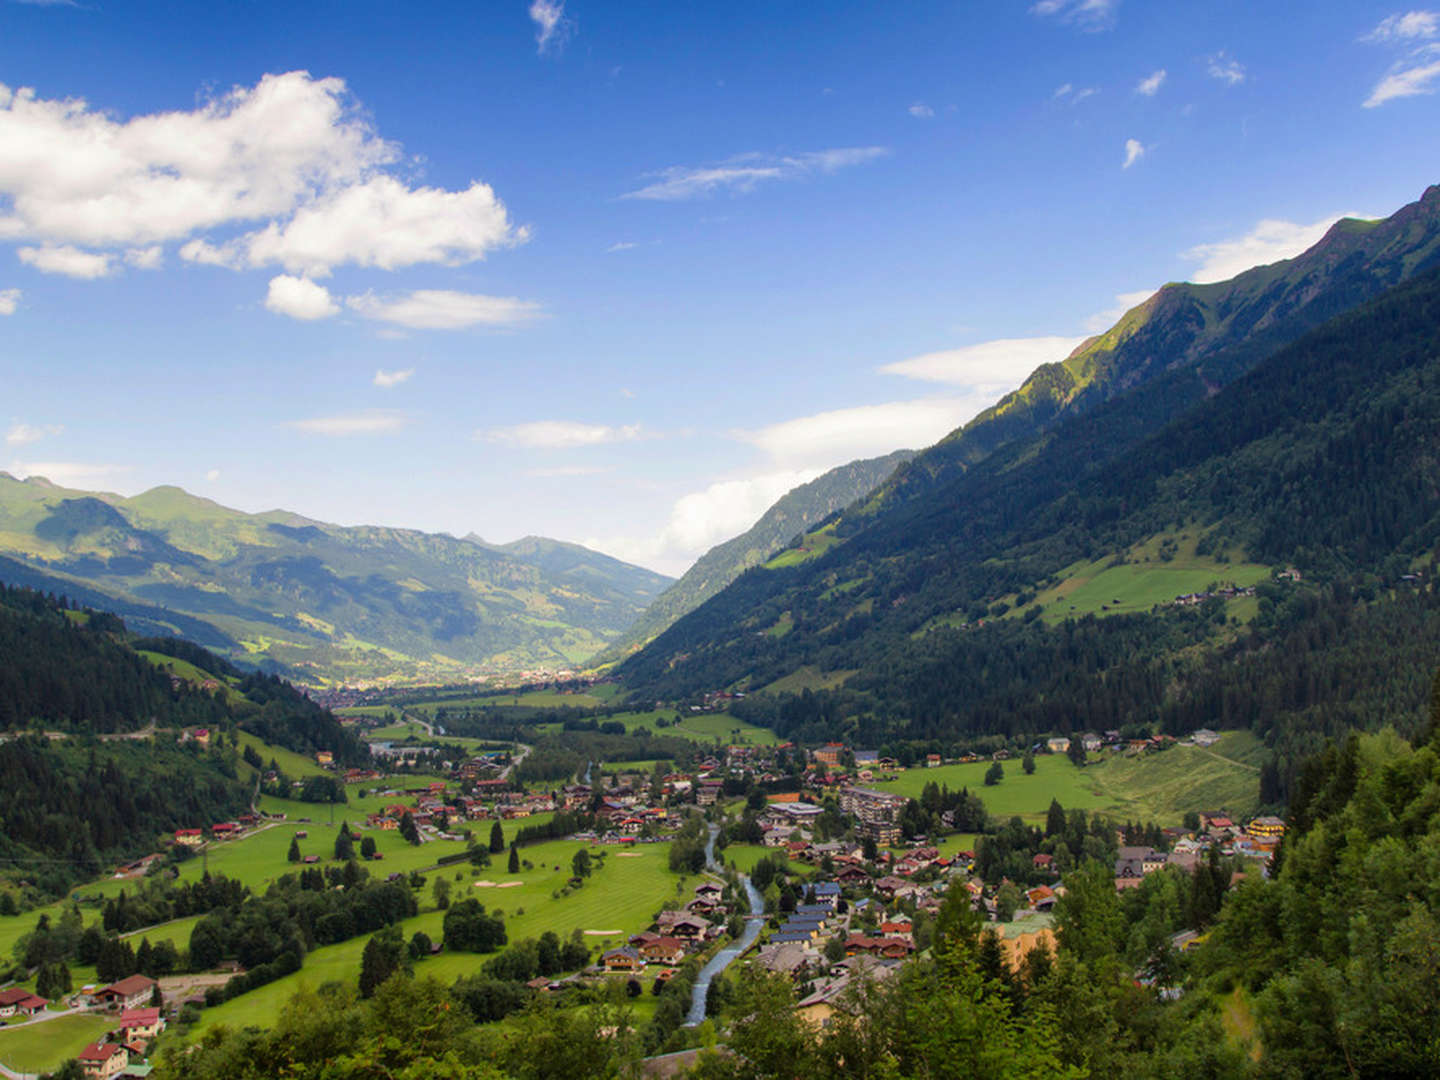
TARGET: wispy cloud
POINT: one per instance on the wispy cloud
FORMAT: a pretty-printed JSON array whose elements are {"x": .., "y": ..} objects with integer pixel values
[
  {"x": 369, "y": 422},
  {"x": 68, "y": 473},
  {"x": 566, "y": 470},
  {"x": 621, "y": 245},
  {"x": 1225, "y": 68},
  {"x": 824, "y": 440},
  {"x": 1150, "y": 85},
  {"x": 1418, "y": 68},
  {"x": 443, "y": 309},
  {"x": 1134, "y": 151},
  {"x": 742, "y": 174},
  {"x": 1269, "y": 241},
  {"x": 552, "y": 28},
  {"x": 1001, "y": 364},
  {"x": 9, "y": 301},
  {"x": 559, "y": 434},
  {"x": 67, "y": 260},
  {"x": 387, "y": 379},
  {"x": 1088, "y": 15},
  {"x": 1068, "y": 92},
  {"x": 21, "y": 434},
  {"x": 921, "y": 111}
]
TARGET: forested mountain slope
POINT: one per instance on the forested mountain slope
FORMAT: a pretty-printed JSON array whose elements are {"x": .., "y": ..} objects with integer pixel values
[
  {"x": 1321, "y": 458},
  {"x": 322, "y": 602},
  {"x": 803, "y": 508}
]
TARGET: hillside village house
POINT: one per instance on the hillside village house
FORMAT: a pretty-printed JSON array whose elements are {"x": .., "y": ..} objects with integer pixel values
[
  {"x": 624, "y": 958},
  {"x": 102, "y": 1061},
  {"x": 129, "y": 993},
  {"x": 140, "y": 1024},
  {"x": 1058, "y": 745},
  {"x": 17, "y": 1002}
]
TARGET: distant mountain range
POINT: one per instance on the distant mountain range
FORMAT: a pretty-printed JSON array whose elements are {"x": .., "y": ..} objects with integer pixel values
[
  {"x": 796, "y": 511},
  {"x": 324, "y": 603}
]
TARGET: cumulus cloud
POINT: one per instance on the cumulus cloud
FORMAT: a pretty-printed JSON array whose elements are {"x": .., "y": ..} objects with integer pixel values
[
  {"x": 292, "y": 159},
  {"x": 147, "y": 258},
  {"x": 1418, "y": 68},
  {"x": 9, "y": 301},
  {"x": 559, "y": 434},
  {"x": 369, "y": 422},
  {"x": 1134, "y": 151},
  {"x": 66, "y": 259},
  {"x": 1150, "y": 85},
  {"x": 20, "y": 434},
  {"x": 742, "y": 174},
  {"x": 386, "y": 379},
  {"x": 74, "y": 474},
  {"x": 921, "y": 111},
  {"x": 1269, "y": 241},
  {"x": 1088, "y": 15},
  {"x": 701, "y": 519},
  {"x": 1004, "y": 362},
  {"x": 299, "y": 298},
  {"x": 1226, "y": 69},
  {"x": 552, "y": 28},
  {"x": 442, "y": 309}
]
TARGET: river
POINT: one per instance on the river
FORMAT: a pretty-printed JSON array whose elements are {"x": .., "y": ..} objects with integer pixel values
[{"x": 723, "y": 959}]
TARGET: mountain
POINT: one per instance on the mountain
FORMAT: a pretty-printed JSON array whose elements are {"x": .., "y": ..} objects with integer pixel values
[
  {"x": 323, "y": 602},
  {"x": 795, "y": 512},
  {"x": 1030, "y": 587}
]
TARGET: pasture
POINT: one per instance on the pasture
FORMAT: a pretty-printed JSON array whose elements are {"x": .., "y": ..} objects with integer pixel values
[{"x": 37, "y": 1047}]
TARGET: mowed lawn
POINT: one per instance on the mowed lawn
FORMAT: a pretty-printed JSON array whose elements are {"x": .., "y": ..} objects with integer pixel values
[
  {"x": 1163, "y": 786},
  {"x": 41, "y": 1047},
  {"x": 622, "y": 896},
  {"x": 1055, "y": 777}
]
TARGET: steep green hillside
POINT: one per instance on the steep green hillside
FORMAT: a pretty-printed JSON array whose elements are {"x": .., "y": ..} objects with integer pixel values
[
  {"x": 1321, "y": 458},
  {"x": 322, "y": 602},
  {"x": 795, "y": 512}
]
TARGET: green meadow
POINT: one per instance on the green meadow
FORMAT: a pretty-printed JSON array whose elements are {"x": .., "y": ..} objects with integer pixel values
[
  {"x": 40, "y": 1047},
  {"x": 621, "y": 896}
]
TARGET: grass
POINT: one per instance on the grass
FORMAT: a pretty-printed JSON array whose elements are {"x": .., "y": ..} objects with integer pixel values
[
  {"x": 1238, "y": 1021},
  {"x": 813, "y": 546},
  {"x": 623, "y": 895},
  {"x": 1028, "y": 796},
  {"x": 296, "y": 766},
  {"x": 744, "y": 856},
  {"x": 38, "y": 1048},
  {"x": 807, "y": 677}
]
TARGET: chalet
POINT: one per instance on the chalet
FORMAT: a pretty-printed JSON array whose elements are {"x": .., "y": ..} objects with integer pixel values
[
  {"x": 1204, "y": 737},
  {"x": 1091, "y": 742},
  {"x": 130, "y": 993},
  {"x": 1043, "y": 862},
  {"x": 851, "y": 875},
  {"x": 890, "y": 885},
  {"x": 690, "y": 927},
  {"x": 224, "y": 828},
  {"x": 1058, "y": 745},
  {"x": 1041, "y": 898},
  {"x": 897, "y": 928},
  {"x": 324, "y": 757},
  {"x": 932, "y": 761},
  {"x": 784, "y": 958},
  {"x": 826, "y": 892},
  {"x": 709, "y": 791},
  {"x": 1266, "y": 828},
  {"x": 708, "y": 891},
  {"x": 101, "y": 1060},
  {"x": 624, "y": 958},
  {"x": 140, "y": 1024},
  {"x": 17, "y": 1002},
  {"x": 665, "y": 950},
  {"x": 190, "y": 837}
]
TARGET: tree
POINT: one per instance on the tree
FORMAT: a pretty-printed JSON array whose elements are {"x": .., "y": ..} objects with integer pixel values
[
  {"x": 1007, "y": 899},
  {"x": 514, "y": 864},
  {"x": 580, "y": 864},
  {"x": 497, "y": 838},
  {"x": 53, "y": 981},
  {"x": 1076, "y": 753},
  {"x": 384, "y": 955},
  {"x": 467, "y": 928},
  {"x": 367, "y": 847},
  {"x": 994, "y": 774},
  {"x": 344, "y": 843},
  {"x": 1028, "y": 763},
  {"x": 294, "y": 853},
  {"x": 408, "y": 829},
  {"x": 441, "y": 889},
  {"x": 1055, "y": 819}
]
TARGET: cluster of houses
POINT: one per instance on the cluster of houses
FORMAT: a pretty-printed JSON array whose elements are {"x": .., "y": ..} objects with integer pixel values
[
  {"x": 137, "y": 1024},
  {"x": 674, "y": 935},
  {"x": 1256, "y": 840},
  {"x": 220, "y": 830}
]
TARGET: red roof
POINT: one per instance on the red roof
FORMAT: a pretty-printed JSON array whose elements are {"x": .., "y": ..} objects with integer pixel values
[
  {"x": 139, "y": 1017},
  {"x": 187, "y": 832},
  {"x": 13, "y": 996},
  {"x": 100, "y": 1052},
  {"x": 130, "y": 986}
]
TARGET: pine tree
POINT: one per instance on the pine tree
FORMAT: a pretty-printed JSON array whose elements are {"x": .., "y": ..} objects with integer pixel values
[
  {"x": 344, "y": 845},
  {"x": 294, "y": 853},
  {"x": 514, "y": 866},
  {"x": 497, "y": 838}
]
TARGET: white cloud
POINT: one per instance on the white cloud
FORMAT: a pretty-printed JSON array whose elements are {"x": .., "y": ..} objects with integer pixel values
[
  {"x": 292, "y": 157},
  {"x": 442, "y": 309},
  {"x": 701, "y": 519},
  {"x": 1226, "y": 68},
  {"x": 21, "y": 434},
  {"x": 1067, "y": 92},
  {"x": 921, "y": 111},
  {"x": 1103, "y": 320},
  {"x": 1002, "y": 364},
  {"x": 1269, "y": 241},
  {"x": 67, "y": 260},
  {"x": 386, "y": 379},
  {"x": 744, "y": 173},
  {"x": 560, "y": 434},
  {"x": 299, "y": 298},
  {"x": 1134, "y": 151},
  {"x": 1063, "y": 89},
  {"x": 1089, "y": 15},
  {"x": 212, "y": 475},
  {"x": 552, "y": 28},
  {"x": 827, "y": 439},
  {"x": 148, "y": 258},
  {"x": 1407, "y": 80},
  {"x": 68, "y": 473},
  {"x": 566, "y": 471},
  {"x": 620, "y": 245},
  {"x": 1150, "y": 85},
  {"x": 369, "y": 422},
  {"x": 9, "y": 301},
  {"x": 1412, "y": 26}
]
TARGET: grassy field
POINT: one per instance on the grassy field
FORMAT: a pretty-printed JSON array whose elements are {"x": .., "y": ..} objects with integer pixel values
[
  {"x": 815, "y": 544},
  {"x": 698, "y": 727},
  {"x": 37, "y": 1048},
  {"x": 744, "y": 856},
  {"x": 622, "y": 896},
  {"x": 296, "y": 766},
  {"x": 807, "y": 677},
  {"x": 1157, "y": 787}
]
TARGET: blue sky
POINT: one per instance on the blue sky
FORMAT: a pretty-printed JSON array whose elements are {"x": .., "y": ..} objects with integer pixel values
[{"x": 624, "y": 273}]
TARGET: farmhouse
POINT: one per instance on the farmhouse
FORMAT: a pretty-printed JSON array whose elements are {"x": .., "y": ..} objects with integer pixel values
[
  {"x": 140, "y": 1024},
  {"x": 103, "y": 1060},
  {"x": 624, "y": 958},
  {"x": 130, "y": 993},
  {"x": 665, "y": 950},
  {"x": 17, "y": 1002},
  {"x": 190, "y": 837},
  {"x": 1058, "y": 745}
]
